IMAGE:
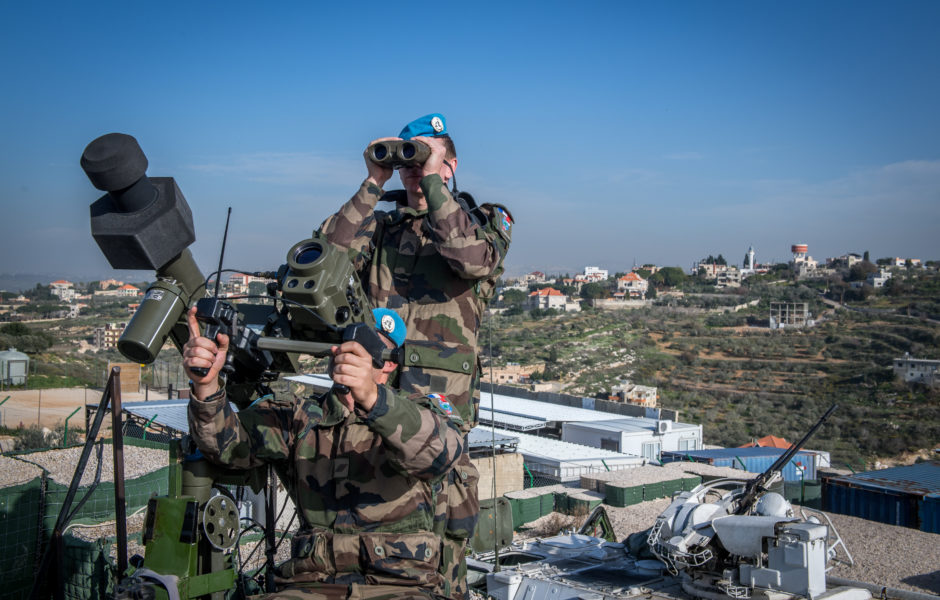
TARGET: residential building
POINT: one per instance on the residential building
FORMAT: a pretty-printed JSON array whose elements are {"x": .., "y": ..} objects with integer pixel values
[
  {"x": 109, "y": 283},
  {"x": 730, "y": 277},
  {"x": 633, "y": 285},
  {"x": 512, "y": 373},
  {"x": 594, "y": 274},
  {"x": 919, "y": 370},
  {"x": 642, "y": 395},
  {"x": 534, "y": 277},
  {"x": 878, "y": 280},
  {"x": 648, "y": 268},
  {"x": 62, "y": 289},
  {"x": 547, "y": 298},
  {"x": 712, "y": 269},
  {"x": 107, "y": 336}
]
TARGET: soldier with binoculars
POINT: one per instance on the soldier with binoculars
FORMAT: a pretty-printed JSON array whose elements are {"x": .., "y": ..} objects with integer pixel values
[{"x": 433, "y": 257}]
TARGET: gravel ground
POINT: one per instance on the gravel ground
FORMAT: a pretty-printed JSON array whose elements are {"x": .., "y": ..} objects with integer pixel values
[
  {"x": 15, "y": 472},
  {"x": 61, "y": 463},
  {"x": 885, "y": 555}
]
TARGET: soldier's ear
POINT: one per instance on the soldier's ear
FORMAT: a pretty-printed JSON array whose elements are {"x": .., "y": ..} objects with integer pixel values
[{"x": 389, "y": 366}]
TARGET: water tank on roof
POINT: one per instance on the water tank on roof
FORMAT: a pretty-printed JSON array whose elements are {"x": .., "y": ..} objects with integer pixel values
[{"x": 13, "y": 367}]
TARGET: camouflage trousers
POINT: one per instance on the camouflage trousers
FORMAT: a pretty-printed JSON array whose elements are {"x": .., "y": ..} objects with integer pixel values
[
  {"x": 454, "y": 568},
  {"x": 354, "y": 591}
]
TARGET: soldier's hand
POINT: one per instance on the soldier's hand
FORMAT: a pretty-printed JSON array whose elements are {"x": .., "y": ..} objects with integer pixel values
[
  {"x": 352, "y": 367},
  {"x": 200, "y": 351},
  {"x": 377, "y": 173},
  {"x": 434, "y": 162}
]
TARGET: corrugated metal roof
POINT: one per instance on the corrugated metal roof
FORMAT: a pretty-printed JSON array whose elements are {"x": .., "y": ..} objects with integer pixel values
[
  {"x": 511, "y": 422},
  {"x": 920, "y": 478},
  {"x": 732, "y": 452},
  {"x": 632, "y": 425},
  {"x": 169, "y": 413},
  {"x": 560, "y": 451},
  {"x": 484, "y": 438}
]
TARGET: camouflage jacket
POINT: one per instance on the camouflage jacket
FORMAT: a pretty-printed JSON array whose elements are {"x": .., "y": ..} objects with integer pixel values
[
  {"x": 365, "y": 485},
  {"x": 437, "y": 269}
]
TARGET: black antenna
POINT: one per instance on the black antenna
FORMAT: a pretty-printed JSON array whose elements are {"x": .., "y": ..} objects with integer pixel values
[
  {"x": 218, "y": 274},
  {"x": 489, "y": 319}
]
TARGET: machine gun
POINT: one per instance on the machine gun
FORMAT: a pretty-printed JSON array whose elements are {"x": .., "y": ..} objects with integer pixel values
[
  {"x": 728, "y": 544},
  {"x": 317, "y": 301}
]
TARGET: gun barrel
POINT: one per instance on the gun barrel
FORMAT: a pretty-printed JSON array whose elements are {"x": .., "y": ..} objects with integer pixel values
[
  {"x": 791, "y": 452},
  {"x": 753, "y": 487}
]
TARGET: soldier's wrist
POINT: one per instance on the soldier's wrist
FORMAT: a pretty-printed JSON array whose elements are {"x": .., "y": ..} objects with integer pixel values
[{"x": 434, "y": 191}]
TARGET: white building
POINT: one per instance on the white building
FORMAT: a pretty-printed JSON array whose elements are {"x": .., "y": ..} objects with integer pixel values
[
  {"x": 730, "y": 277},
  {"x": 547, "y": 298},
  {"x": 879, "y": 279},
  {"x": 919, "y": 370},
  {"x": 633, "y": 286},
  {"x": 634, "y": 435},
  {"x": 62, "y": 289},
  {"x": 595, "y": 274},
  {"x": 644, "y": 395}
]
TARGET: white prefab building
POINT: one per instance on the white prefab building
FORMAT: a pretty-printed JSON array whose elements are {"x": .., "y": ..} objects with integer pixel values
[
  {"x": 565, "y": 462},
  {"x": 634, "y": 435}
]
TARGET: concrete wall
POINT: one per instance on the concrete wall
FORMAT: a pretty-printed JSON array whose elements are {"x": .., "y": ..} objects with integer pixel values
[{"x": 509, "y": 474}]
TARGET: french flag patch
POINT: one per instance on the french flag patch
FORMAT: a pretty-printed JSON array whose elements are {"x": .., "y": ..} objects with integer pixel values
[{"x": 442, "y": 402}]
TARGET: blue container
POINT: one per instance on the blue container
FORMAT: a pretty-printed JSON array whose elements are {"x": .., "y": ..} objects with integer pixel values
[
  {"x": 930, "y": 513},
  {"x": 753, "y": 460},
  {"x": 845, "y": 496}
]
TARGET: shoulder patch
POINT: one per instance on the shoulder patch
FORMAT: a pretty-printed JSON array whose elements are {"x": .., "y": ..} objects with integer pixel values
[
  {"x": 442, "y": 402},
  {"x": 501, "y": 219}
]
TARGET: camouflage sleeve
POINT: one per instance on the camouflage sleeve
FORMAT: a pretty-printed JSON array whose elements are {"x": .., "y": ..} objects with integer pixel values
[
  {"x": 424, "y": 440},
  {"x": 353, "y": 225},
  {"x": 261, "y": 433},
  {"x": 471, "y": 251}
]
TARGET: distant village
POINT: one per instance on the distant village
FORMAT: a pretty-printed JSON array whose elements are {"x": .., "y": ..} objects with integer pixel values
[{"x": 636, "y": 288}]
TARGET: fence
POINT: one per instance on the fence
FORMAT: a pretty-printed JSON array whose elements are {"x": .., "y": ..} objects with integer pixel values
[{"x": 28, "y": 513}]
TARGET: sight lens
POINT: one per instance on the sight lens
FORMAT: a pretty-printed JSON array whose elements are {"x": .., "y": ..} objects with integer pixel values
[
  {"x": 307, "y": 254},
  {"x": 380, "y": 151},
  {"x": 408, "y": 151}
]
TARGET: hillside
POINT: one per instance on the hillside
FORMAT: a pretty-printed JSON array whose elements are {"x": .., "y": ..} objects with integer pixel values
[{"x": 741, "y": 380}]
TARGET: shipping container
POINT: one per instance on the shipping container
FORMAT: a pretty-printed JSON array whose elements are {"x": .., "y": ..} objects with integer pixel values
[
  {"x": 753, "y": 460},
  {"x": 904, "y": 496}
]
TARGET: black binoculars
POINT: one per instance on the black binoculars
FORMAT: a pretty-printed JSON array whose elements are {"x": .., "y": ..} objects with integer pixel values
[{"x": 396, "y": 154}]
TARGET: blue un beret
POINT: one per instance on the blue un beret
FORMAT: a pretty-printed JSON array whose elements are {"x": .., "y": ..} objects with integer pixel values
[
  {"x": 389, "y": 323},
  {"x": 429, "y": 125}
]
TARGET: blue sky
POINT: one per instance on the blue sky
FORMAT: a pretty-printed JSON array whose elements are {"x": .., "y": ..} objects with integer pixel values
[{"x": 613, "y": 131}]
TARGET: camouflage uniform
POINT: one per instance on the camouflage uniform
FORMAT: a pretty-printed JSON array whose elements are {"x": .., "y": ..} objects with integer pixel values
[
  {"x": 365, "y": 485},
  {"x": 437, "y": 269}
]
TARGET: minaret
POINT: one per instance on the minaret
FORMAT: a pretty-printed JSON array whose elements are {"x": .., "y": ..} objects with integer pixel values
[{"x": 750, "y": 258}]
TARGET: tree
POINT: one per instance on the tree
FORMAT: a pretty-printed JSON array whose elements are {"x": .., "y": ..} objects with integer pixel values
[
  {"x": 861, "y": 271},
  {"x": 513, "y": 298},
  {"x": 865, "y": 256},
  {"x": 15, "y": 329},
  {"x": 593, "y": 291},
  {"x": 668, "y": 276}
]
